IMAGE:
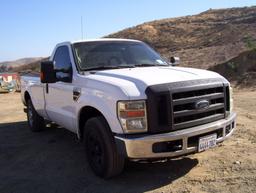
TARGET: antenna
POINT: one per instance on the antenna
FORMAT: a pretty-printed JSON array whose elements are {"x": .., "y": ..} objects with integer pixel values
[{"x": 82, "y": 28}]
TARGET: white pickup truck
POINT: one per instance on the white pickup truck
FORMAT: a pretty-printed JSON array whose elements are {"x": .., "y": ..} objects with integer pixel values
[{"x": 124, "y": 101}]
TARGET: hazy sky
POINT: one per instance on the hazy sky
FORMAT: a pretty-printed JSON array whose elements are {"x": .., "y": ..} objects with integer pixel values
[{"x": 31, "y": 28}]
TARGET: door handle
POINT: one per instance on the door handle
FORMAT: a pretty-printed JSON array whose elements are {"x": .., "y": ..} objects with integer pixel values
[{"x": 76, "y": 93}]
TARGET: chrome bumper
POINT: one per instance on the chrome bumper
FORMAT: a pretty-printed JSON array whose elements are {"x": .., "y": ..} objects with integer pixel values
[{"x": 142, "y": 147}]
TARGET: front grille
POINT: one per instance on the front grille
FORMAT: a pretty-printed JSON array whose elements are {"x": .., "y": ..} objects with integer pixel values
[{"x": 185, "y": 113}]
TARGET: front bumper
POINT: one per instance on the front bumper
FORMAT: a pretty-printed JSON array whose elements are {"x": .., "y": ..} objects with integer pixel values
[{"x": 186, "y": 140}]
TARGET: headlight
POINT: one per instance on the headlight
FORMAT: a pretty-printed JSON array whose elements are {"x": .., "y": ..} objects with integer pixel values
[
  {"x": 231, "y": 98},
  {"x": 132, "y": 116}
]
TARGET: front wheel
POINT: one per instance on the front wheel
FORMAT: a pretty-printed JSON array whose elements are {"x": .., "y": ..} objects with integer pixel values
[
  {"x": 101, "y": 149},
  {"x": 35, "y": 121}
]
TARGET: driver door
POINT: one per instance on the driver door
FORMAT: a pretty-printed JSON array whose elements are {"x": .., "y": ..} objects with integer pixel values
[{"x": 59, "y": 96}]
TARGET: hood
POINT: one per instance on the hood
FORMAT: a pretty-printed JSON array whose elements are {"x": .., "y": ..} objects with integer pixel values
[{"x": 142, "y": 77}]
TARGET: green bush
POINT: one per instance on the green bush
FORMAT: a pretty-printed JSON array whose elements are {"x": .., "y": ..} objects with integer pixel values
[
  {"x": 250, "y": 43},
  {"x": 233, "y": 66}
]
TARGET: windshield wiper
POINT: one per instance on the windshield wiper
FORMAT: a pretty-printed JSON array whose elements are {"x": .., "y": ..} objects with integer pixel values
[
  {"x": 108, "y": 67},
  {"x": 148, "y": 65}
]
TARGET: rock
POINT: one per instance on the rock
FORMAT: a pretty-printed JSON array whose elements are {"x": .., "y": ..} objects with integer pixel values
[{"x": 237, "y": 162}]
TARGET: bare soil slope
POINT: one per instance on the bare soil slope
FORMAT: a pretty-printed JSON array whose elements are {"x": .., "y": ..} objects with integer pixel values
[
  {"x": 54, "y": 161},
  {"x": 202, "y": 40}
]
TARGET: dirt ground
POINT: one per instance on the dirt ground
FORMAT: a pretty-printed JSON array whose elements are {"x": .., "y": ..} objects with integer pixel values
[{"x": 54, "y": 161}]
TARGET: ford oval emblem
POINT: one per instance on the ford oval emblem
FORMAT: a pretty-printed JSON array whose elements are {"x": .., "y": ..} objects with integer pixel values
[{"x": 203, "y": 104}]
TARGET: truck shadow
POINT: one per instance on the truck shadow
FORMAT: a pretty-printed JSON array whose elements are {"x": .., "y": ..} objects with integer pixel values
[{"x": 54, "y": 161}]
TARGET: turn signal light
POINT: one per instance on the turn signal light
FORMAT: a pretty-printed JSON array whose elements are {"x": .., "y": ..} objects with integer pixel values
[{"x": 132, "y": 114}]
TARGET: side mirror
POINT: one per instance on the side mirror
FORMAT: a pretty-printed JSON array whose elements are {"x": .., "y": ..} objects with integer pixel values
[
  {"x": 48, "y": 74},
  {"x": 175, "y": 61}
]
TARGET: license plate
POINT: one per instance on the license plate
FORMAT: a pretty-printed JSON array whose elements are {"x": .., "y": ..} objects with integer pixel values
[{"x": 207, "y": 142}]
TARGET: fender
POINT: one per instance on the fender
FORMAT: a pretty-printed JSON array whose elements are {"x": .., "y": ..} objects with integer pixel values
[{"x": 105, "y": 104}]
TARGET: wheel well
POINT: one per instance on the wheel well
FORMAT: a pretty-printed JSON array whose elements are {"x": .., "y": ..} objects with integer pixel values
[
  {"x": 27, "y": 97},
  {"x": 85, "y": 114}
]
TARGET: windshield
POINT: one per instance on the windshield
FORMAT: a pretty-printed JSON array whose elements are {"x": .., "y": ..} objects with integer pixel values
[{"x": 93, "y": 55}]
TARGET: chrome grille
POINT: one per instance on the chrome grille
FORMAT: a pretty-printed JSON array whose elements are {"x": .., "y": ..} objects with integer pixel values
[{"x": 185, "y": 114}]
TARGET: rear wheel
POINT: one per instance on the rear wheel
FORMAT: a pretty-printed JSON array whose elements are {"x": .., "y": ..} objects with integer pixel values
[
  {"x": 101, "y": 149},
  {"x": 35, "y": 121}
]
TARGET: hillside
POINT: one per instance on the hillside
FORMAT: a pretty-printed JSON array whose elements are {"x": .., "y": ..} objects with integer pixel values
[
  {"x": 202, "y": 40},
  {"x": 20, "y": 62},
  {"x": 241, "y": 70},
  {"x": 30, "y": 67},
  {"x": 14, "y": 66}
]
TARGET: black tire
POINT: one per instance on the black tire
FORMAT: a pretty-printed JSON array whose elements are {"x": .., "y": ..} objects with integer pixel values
[
  {"x": 101, "y": 149},
  {"x": 35, "y": 122}
]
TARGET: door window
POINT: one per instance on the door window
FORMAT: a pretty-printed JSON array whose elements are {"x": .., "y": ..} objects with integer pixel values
[{"x": 62, "y": 64}]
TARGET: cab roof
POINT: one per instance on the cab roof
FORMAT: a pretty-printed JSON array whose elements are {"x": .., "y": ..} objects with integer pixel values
[{"x": 104, "y": 39}]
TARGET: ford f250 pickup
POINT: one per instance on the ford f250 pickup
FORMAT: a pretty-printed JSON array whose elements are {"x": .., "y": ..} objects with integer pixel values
[{"x": 124, "y": 101}]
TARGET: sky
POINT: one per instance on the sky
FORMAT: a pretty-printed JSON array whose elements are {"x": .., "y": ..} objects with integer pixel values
[{"x": 31, "y": 28}]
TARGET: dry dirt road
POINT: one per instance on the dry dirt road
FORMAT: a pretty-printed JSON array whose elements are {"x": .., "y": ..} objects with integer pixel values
[{"x": 54, "y": 161}]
